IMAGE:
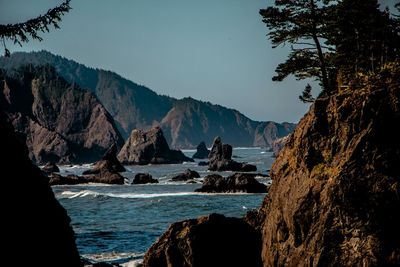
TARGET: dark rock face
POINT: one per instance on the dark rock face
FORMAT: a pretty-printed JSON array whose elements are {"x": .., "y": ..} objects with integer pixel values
[
  {"x": 211, "y": 241},
  {"x": 221, "y": 159},
  {"x": 149, "y": 148},
  {"x": 144, "y": 178},
  {"x": 106, "y": 177},
  {"x": 239, "y": 182},
  {"x": 109, "y": 162},
  {"x": 185, "y": 122},
  {"x": 58, "y": 121},
  {"x": 50, "y": 167},
  {"x": 187, "y": 175},
  {"x": 335, "y": 196},
  {"x": 103, "y": 177},
  {"x": 202, "y": 151},
  {"x": 57, "y": 179},
  {"x": 34, "y": 223}
]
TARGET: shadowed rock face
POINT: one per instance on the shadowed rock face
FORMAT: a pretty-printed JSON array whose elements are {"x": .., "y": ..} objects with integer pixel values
[
  {"x": 108, "y": 162},
  {"x": 238, "y": 182},
  {"x": 36, "y": 227},
  {"x": 335, "y": 196},
  {"x": 187, "y": 175},
  {"x": 59, "y": 122},
  {"x": 201, "y": 152},
  {"x": 221, "y": 159},
  {"x": 144, "y": 178},
  {"x": 149, "y": 148},
  {"x": 210, "y": 241}
]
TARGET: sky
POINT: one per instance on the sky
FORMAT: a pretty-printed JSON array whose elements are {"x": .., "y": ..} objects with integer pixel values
[{"x": 211, "y": 50}]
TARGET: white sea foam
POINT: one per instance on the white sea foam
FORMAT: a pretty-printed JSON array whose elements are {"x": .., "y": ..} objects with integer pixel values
[
  {"x": 85, "y": 193},
  {"x": 114, "y": 256}
]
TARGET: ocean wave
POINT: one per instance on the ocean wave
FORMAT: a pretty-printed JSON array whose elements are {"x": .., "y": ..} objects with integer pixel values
[
  {"x": 86, "y": 193},
  {"x": 246, "y": 148},
  {"x": 129, "y": 257}
]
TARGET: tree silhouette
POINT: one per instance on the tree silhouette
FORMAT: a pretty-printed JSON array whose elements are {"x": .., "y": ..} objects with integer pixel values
[
  {"x": 302, "y": 24},
  {"x": 21, "y": 32}
]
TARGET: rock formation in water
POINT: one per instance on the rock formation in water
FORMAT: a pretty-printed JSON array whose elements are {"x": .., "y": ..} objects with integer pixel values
[
  {"x": 149, "y": 147},
  {"x": 335, "y": 196},
  {"x": 108, "y": 162},
  {"x": 202, "y": 151},
  {"x": 59, "y": 122},
  {"x": 185, "y": 122},
  {"x": 212, "y": 240},
  {"x": 144, "y": 178},
  {"x": 238, "y": 182},
  {"x": 36, "y": 228},
  {"x": 187, "y": 175},
  {"x": 221, "y": 159}
]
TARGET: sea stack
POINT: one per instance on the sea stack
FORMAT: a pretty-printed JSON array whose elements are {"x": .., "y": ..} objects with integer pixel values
[
  {"x": 202, "y": 152},
  {"x": 221, "y": 159},
  {"x": 149, "y": 147}
]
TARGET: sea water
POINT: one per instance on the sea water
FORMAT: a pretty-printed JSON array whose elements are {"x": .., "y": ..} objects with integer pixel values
[{"x": 118, "y": 223}]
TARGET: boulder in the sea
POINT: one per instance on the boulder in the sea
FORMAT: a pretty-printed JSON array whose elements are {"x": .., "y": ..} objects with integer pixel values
[
  {"x": 50, "y": 167},
  {"x": 106, "y": 177},
  {"x": 213, "y": 240},
  {"x": 149, "y": 147},
  {"x": 238, "y": 182},
  {"x": 187, "y": 175},
  {"x": 108, "y": 163},
  {"x": 57, "y": 179},
  {"x": 203, "y": 163},
  {"x": 144, "y": 178},
  {"x": 221, "y": 159},
  {"x": 201, "y": 152}
]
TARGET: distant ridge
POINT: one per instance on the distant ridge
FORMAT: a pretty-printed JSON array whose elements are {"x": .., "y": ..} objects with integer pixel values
[{"x": 185, "y": 122}]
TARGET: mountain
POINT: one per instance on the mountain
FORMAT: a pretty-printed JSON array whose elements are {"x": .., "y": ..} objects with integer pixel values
[
  {"x": 58, "y": 121},
  {"x": 185, "y": 122}
]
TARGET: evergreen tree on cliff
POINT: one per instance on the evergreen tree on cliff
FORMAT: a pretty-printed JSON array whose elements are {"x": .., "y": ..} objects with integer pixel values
[
  {"x": 302, "y": 24},
  {"x": 21, "y": 32}
]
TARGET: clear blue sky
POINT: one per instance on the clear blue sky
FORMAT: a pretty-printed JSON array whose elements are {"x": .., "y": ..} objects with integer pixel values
[{"x": 213, "y": 50}]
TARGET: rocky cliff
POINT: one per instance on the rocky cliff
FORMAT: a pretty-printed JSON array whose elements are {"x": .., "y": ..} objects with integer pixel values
[
  {"x": 36, "y": 229},
  {"x": 334, "y": 200},
  {"x": 58, "y": 121},
  {"x": 335, "y": 196},
  {"x": 185, "y": 122}
]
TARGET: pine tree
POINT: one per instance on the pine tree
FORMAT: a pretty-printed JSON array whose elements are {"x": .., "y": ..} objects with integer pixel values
[
  {"x": 306, "y": 96},
  {"x": 21, "y": 32},
  {"x": 303, "y": 25}
]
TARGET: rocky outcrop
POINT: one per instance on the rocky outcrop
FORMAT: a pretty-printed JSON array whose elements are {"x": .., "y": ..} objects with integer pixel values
[
  {"x": 278, "y": 145},
  {"x": 202, "y": 151},
  {"x": 238, "y": 182},
  {"x": 185, "y": 122},
  {"x": 58, "y": 121},
  {"x": 108, "y": 163},
  {"x": 50, "y": 167},
  {"x": 103, "y": 177},
  {"x": 187, "y": 175},
  {"x": 149, "y": 147},
  {"x": 221, "y": 159},
  {"x": 33, "y": 221},
  {"x": 144, "y": 178},
  {"x": 213, "y": 240},
  {"x": 335, "y": 196},
  {"x": 57, "y": 179}
]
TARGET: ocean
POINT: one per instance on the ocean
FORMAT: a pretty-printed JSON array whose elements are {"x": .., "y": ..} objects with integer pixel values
[{"x": 118, "y": 223}]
